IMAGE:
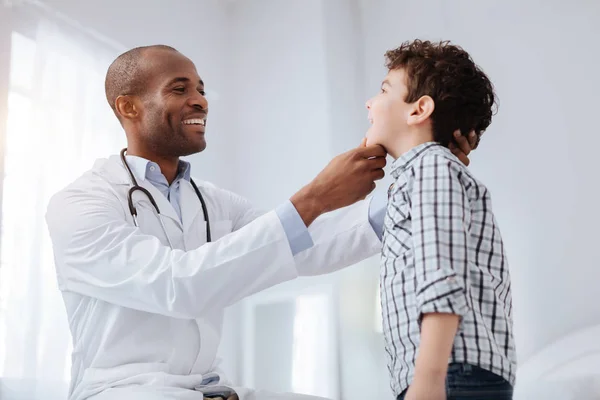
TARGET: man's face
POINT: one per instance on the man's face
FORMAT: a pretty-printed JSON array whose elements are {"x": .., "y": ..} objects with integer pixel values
[
  {"x": 174, "y": 108},
  {"x": 388, "y": 112}
]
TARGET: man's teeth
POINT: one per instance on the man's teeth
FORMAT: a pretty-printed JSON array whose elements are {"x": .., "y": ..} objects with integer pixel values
[{"x": 196, "y": 121}]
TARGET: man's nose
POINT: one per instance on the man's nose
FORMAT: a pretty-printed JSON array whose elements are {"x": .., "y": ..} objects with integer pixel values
[{"x": 199, "y": 101}]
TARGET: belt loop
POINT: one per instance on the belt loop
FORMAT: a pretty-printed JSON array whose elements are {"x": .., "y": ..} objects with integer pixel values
[{"x": 467, "y": 369}]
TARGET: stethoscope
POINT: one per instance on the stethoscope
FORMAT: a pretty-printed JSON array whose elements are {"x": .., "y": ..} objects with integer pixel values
[{"x": 133, "y": 210}]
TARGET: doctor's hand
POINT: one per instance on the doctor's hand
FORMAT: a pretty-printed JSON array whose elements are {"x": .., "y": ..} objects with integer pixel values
[
  {"x": 347, "y": 178},
  {"x": 464, "y": 145}
]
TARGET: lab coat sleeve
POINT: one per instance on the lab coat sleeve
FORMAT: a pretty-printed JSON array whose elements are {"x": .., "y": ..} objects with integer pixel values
[
  {"x": 295, "y": 230},
  {"x": 100, "y": 255},
  {"x": 341, "y": 238}
]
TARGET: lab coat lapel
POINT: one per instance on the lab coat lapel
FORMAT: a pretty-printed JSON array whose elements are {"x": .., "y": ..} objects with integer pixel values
[
  {"x": 191, "y": 208},
  {"x": 115, "y": 172}
]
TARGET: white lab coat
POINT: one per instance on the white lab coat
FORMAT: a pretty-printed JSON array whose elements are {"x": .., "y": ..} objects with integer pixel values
[{"x": 146, "y": 319}]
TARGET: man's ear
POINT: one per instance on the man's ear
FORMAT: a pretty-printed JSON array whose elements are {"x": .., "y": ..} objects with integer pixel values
[
  {"x": 127, "y": 107},
  {"x": 421, "y": 110}
]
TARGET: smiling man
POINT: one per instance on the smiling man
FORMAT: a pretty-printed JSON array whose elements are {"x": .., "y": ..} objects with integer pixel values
[{"x": 148, "y": 89}]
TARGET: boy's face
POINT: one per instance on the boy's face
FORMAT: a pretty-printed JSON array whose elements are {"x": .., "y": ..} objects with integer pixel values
[{"x": 388, "y": 112}]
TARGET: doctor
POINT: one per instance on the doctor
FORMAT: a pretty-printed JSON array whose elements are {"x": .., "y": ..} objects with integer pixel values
[{"x": 147, "y": 258}]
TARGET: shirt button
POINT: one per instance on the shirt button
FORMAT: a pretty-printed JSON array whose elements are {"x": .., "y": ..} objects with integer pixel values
[{"x": 152, "y": 168}]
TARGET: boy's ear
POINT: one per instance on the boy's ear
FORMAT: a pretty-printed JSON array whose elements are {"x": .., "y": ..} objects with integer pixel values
[{"x": 421, "y": 110}]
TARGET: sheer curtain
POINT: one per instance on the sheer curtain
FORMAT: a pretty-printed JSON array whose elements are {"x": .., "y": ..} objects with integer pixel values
[{"x": 58, "y": 124}]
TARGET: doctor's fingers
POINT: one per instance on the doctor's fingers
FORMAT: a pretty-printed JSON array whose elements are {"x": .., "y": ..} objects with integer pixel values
[
  {"x": 376, "y": 163},
  {"x": 371, "y": 151},
  {"x": 377, "y": 174}
]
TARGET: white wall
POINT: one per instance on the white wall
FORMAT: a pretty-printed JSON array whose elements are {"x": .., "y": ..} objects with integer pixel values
[
  {"x": 538, "y": 157},
  {"x": 279, "y": 107}
]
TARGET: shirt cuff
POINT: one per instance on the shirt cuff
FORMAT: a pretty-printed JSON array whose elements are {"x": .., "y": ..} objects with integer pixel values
[
  {"x": 295, "y": 229},
  {"x": 443, "y": 292},
  {"x": 377, "y": 210}
]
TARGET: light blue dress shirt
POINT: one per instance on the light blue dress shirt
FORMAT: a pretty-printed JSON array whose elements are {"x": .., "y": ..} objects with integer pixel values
[{"x": 295, "y": 230}]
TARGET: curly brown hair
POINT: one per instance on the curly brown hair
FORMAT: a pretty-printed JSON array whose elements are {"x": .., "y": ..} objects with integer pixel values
[{"x": 463, "y": 95}]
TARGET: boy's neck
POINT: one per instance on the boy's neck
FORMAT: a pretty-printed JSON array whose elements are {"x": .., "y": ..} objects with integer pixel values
[{"x": 405, "y": 144}]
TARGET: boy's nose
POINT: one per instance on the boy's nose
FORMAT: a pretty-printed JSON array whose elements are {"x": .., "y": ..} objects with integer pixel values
[{"x": 368, "y": 104}]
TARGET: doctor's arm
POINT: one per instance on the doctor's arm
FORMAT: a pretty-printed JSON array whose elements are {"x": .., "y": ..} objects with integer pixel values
[
  {"x": 333, "y": 240},
  {"x": 100, "y": 254},
  {"x": 344, "y": 237}
]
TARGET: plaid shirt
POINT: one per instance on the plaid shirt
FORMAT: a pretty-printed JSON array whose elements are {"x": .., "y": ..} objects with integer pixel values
[{"x": 442, "y": 252}]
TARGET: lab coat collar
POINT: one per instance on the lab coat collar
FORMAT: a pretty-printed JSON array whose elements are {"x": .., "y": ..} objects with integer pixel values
[
  {"x": 144, "y": 169},
  {"x": 190, "y": 205},
  {"x": 113, "y": 170}
]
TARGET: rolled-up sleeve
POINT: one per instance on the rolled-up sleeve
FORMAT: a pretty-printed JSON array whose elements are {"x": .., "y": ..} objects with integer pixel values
[{"x": 440, "y": 221}]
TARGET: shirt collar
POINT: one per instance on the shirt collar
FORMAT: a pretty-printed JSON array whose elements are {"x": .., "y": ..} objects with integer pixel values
[
  {"x": 406, "y": 159},
  {"x": 145, "y": 169}
]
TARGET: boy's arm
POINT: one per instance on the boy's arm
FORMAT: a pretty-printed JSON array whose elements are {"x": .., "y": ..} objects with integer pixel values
[
  {"x": 440, "y": 221},
  {"x": 437, "y": 336}
]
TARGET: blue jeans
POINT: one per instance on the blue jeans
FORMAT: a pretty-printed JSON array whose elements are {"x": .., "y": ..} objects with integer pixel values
[{"x": 468, "y": 382}]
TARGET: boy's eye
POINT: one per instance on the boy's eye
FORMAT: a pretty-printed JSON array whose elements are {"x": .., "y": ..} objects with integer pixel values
[{"x": 382, "y": 90}]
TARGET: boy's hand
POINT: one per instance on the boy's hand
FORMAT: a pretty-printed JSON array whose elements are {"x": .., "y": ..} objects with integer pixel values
[
  {"x": 465, "y": 145},
  {"x": 424, "y": 388}
]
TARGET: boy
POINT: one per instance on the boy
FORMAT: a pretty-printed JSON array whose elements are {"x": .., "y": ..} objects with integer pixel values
[{"x": 445, "y": 284}]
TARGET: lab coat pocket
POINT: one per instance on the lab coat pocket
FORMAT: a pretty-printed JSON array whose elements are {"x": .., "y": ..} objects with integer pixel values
[{"x": 197, "y": 235}]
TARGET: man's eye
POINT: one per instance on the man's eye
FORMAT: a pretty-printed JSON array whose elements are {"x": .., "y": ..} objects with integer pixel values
[
  {"x": 202, "y": 92},
  {"x": 179, "y": 89}
]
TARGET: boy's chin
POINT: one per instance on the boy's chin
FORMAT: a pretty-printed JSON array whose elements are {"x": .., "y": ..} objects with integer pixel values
[
  {"x": 375, "y": 136},
  {"x": 372, "y": 142}
]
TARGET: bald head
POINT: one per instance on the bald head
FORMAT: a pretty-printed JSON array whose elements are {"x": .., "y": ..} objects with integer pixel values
[{"x": 128, "y": 75}]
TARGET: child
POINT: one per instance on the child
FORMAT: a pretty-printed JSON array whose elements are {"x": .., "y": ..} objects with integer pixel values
[{"x": 445, "y": 284}]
